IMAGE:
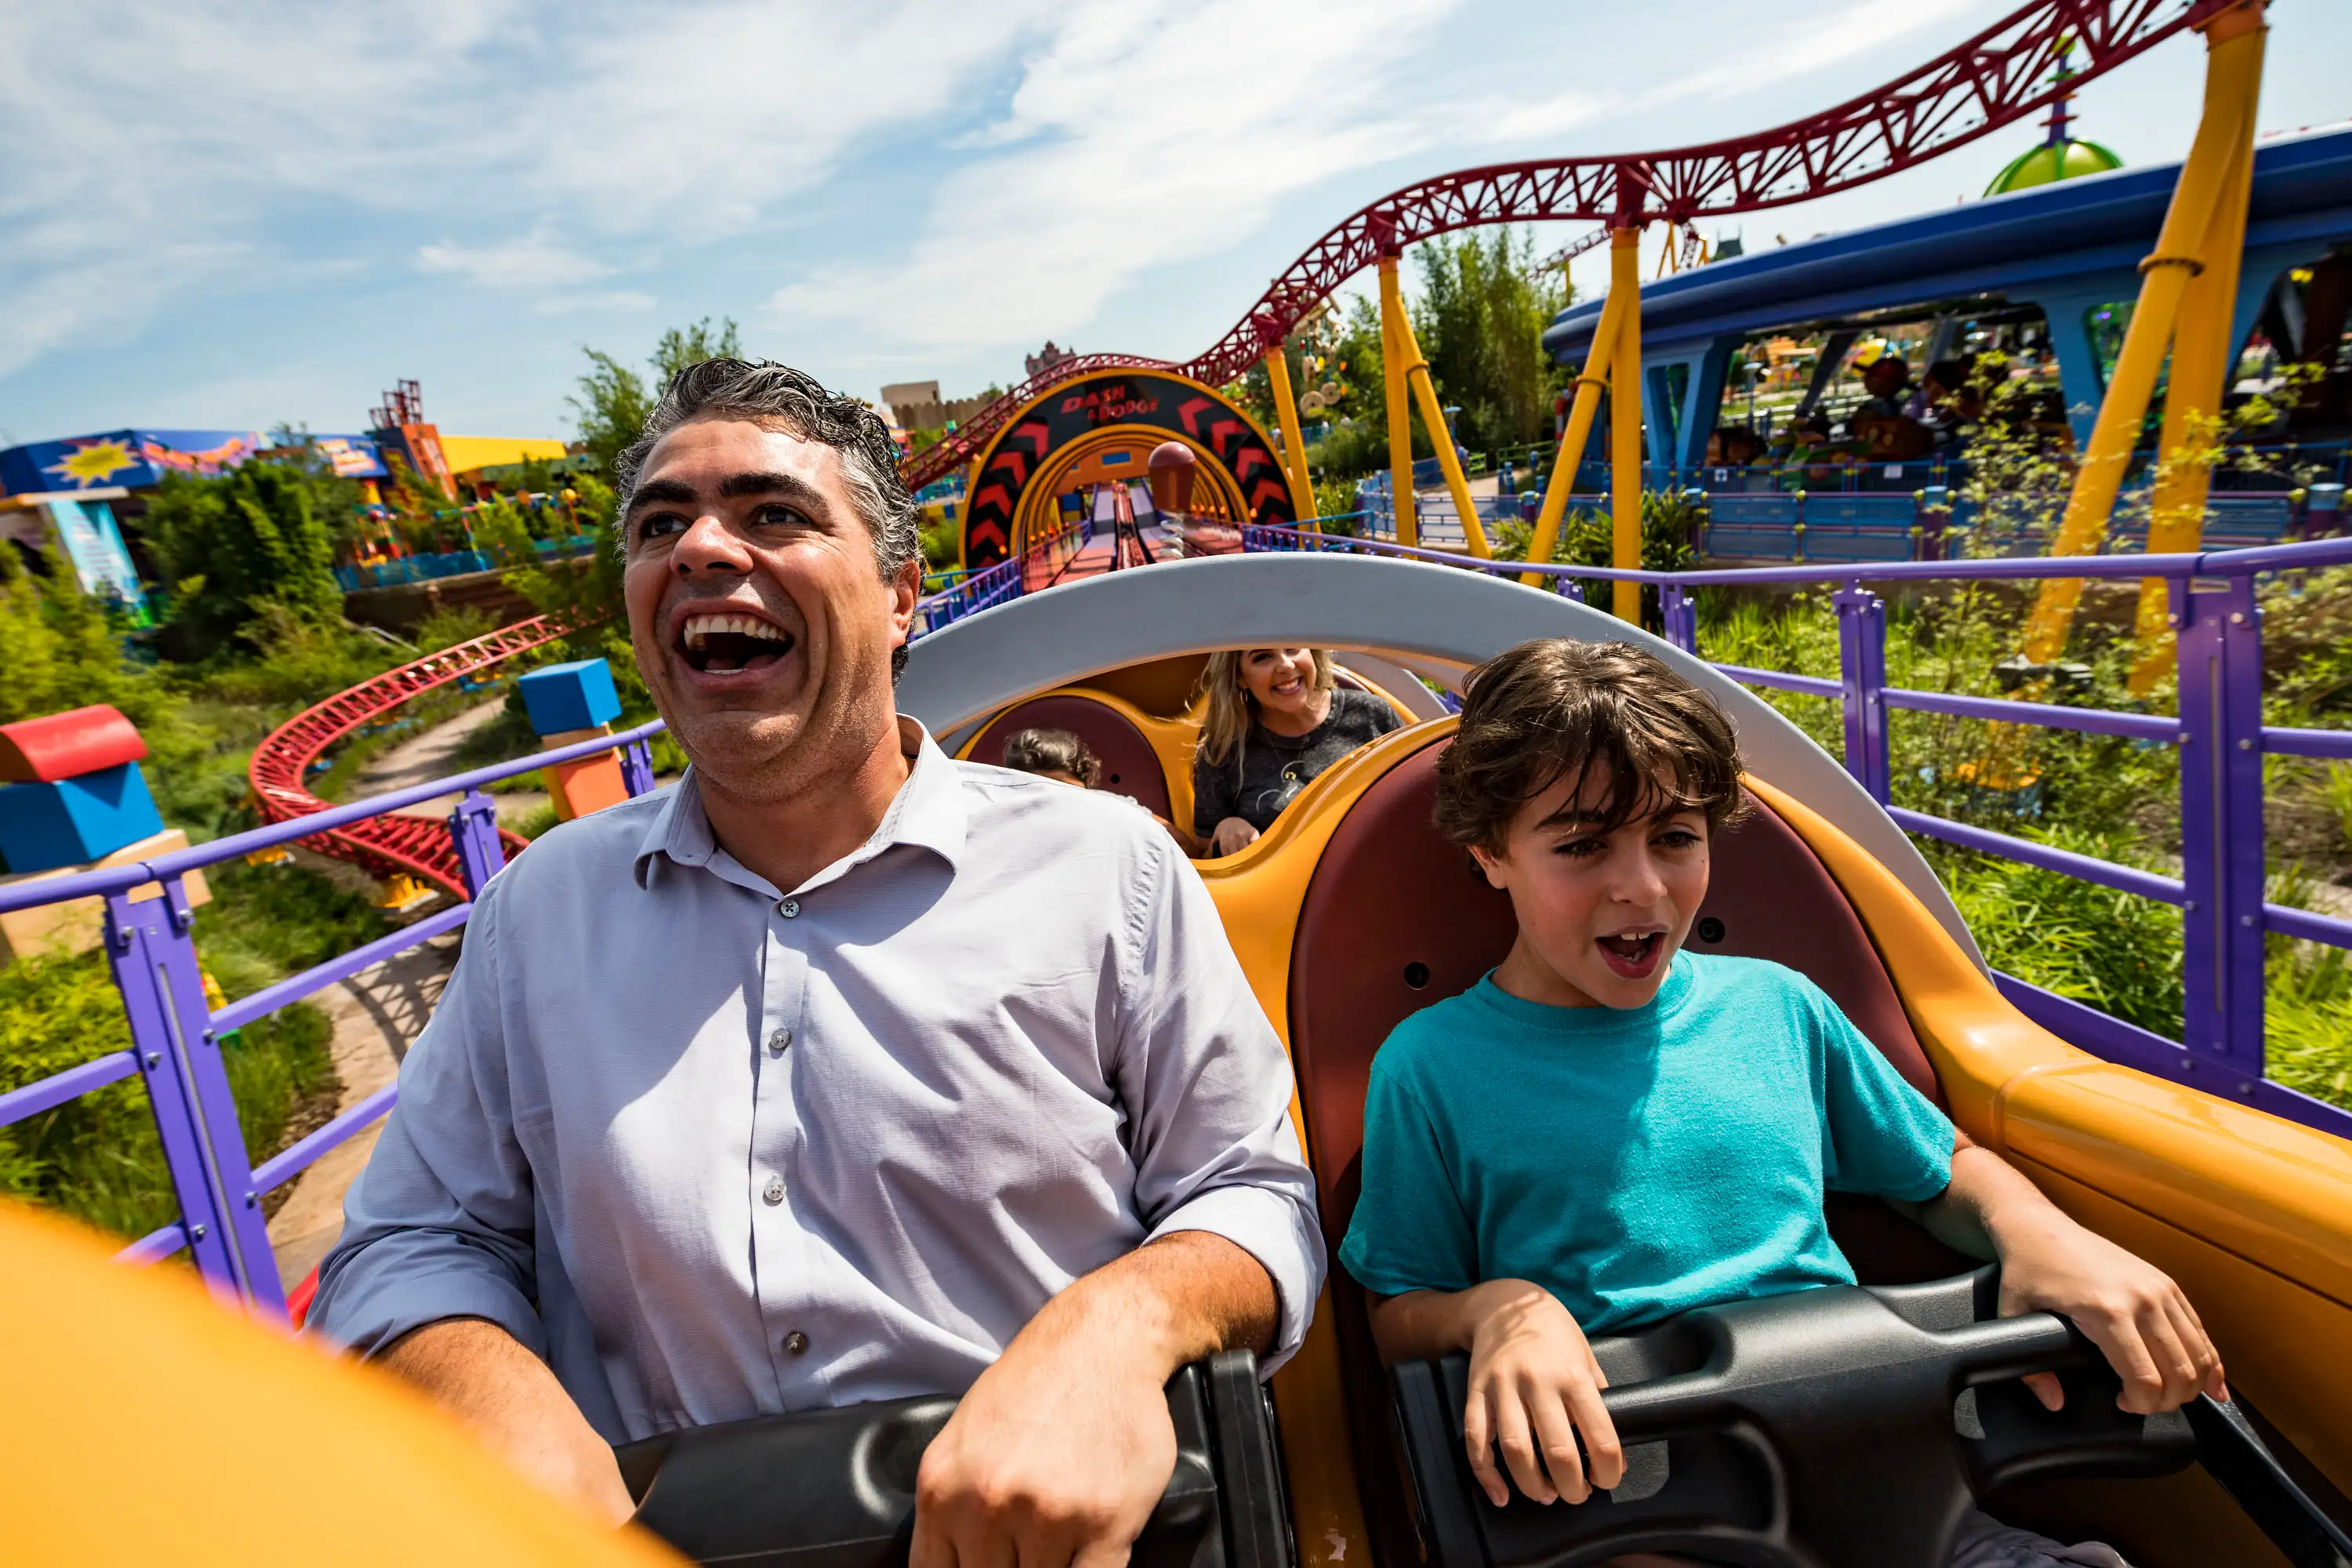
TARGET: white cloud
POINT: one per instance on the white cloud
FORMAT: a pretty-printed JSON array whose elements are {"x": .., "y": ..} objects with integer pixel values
[
  {"x": 208, "y": 144},
  {"x": 528, "y": 263},
  {"x": 1142, "y": 134}
]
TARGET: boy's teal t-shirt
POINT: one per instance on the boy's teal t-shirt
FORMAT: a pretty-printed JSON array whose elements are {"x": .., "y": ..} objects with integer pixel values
[{"x": 1637, "y": 1162}]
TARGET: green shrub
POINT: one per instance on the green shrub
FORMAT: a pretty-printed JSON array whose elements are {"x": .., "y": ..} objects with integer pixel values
[
  {"x": 942, "y": 545},
  {"x": 260, "y": 535},
  {"x": 536, "y": 821}
]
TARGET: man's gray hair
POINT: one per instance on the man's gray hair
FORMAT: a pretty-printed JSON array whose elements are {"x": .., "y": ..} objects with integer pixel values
[{"x": 778, "y": 396}]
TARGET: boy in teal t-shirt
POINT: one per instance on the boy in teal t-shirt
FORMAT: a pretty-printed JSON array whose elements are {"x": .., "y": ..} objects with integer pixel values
[{"x": 1607, "y": 1130}]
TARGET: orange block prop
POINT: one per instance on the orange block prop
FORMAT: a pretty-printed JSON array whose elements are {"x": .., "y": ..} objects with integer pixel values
[{"x": 589, "y": 785}]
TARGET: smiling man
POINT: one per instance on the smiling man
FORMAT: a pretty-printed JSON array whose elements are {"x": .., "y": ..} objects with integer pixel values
[{"x": 841, "y": 1070}]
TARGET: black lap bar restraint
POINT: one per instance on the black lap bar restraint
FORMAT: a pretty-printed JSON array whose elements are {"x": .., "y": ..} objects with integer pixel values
[{"x": 835, "y": 1489}]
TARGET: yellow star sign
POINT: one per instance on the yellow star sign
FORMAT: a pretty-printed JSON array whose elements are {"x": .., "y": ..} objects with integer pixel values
[{"x": 94, "y": 464}]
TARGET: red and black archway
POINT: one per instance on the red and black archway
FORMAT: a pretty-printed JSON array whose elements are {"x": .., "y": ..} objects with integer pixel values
[{"x": 1104, "y": 426}]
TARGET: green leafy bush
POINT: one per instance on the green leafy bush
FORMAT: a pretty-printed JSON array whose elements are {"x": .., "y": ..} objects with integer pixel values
[{"x": 260, "y": 535}]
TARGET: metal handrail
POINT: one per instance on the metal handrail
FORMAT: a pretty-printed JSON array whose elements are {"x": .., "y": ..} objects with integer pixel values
[{"x": 121, "y": 878}]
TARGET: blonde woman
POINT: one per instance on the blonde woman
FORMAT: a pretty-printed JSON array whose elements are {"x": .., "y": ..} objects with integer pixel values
[{"x": 1276, "y": 719}]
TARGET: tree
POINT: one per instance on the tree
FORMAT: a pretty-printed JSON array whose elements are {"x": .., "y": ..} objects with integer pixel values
[
  {"x": 613, "y": 401},
  {"x": 1481, "y": 321},
  {"x": 258, "y": 538}
]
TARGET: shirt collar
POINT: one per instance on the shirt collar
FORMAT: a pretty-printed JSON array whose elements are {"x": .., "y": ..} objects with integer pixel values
[{"x": 928, "y": 812}]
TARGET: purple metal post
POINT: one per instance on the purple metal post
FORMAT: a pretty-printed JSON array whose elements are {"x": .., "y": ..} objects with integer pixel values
[
  {"x": 154, "y": 961},
  {"x": 638, "y": 768},
  {"x": 474, "y": 828},
  {"x": 1861, "y": 682},
  {"x": 2221, "y": 850},
  {"x": 1680, "y": 617},
  {"x": 1934, "y": 504}
]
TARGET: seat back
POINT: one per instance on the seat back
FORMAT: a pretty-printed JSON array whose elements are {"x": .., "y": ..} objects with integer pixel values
[
  {"x": 1395, "y": 917},
  {"x": 1129, "y": 766}
]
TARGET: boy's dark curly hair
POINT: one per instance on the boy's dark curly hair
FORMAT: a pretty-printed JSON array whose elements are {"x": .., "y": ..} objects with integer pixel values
[{"x": 1552, "y": 709}]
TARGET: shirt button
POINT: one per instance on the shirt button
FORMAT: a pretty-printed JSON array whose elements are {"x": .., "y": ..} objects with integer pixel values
[
  {"x": 790, "y": 909},
  {"x": 796, "y": 1344},
  {"x": 774, "y": 1190},
  {"x": 780, "y": 1042}
]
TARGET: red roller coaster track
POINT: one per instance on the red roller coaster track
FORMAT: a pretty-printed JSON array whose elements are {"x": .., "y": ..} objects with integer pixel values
[
  {"x": 383, "y": 844},
  {"x": 1995, "y": 79}
]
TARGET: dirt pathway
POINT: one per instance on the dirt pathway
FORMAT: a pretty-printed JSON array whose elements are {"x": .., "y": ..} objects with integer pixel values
[
  {"x": 376, "y": 1015},
  {"x": 379, "y": 1012},
  {"x": 424, "y": 758}
]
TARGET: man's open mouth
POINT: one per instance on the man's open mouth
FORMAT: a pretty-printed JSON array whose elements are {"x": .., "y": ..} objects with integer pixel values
[
  {"x": 1633, "y": 954},
  {"x": 727, "y": 644}
]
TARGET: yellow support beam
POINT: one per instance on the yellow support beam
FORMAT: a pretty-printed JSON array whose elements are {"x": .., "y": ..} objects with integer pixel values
[
  {"x": 1432, "y": 417},
  {"x": 1293, "y": 441},
  {"x": 1590, "y": 384},
  {"x": 2224, "y": 133},
  {"x": 1625, "y": 421},
  {"x": 2204, "y": 348},
  {"x": 1400, "y": 414}
]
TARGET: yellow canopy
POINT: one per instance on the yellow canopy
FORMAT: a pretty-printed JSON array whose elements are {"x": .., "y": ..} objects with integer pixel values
[{"x": 467, "y": 453}]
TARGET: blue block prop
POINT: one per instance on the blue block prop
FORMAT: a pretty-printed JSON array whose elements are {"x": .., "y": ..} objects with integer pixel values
[
  {"x": 71, "y": 821},
  {"x": 575, "y": 696}
]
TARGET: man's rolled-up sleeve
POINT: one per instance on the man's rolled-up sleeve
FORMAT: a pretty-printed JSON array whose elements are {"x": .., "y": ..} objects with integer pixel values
[
  {"x": 440, "y": 1223},
  {"x": 1209, "y": 1091}
]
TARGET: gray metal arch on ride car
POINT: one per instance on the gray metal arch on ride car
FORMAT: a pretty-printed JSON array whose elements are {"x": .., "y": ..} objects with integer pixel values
[{"x": 1416, "y": 612}]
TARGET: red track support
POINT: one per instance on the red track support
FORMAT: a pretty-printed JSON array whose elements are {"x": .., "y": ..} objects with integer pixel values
[
  {"x": 383, "y": 844},
  {"x": 1994, "y": 80}
]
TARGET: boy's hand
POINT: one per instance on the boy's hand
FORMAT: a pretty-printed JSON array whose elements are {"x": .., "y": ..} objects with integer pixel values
[
  {"x": 2130, "y": 1309},
  {"x": 1534, "y": 1385}
]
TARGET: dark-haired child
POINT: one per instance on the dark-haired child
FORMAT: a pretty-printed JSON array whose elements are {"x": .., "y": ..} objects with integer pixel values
[{"x": 1607, "y": 1130}]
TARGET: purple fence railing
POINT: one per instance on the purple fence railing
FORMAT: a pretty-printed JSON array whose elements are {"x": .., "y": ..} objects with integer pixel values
[
  {"x": 175, "y": 1035},
  {"x": 2219, "y": 732}
]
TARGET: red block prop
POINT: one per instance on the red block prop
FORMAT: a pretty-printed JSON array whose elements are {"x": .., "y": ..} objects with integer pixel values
[{"x": 67, "y": 745}]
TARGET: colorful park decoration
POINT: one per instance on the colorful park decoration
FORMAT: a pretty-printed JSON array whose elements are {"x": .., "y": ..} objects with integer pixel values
[
  {"x": 74, "y": 799},
  {"x": 568, "y": 703},
  {"x": 1105, "y": 425}
]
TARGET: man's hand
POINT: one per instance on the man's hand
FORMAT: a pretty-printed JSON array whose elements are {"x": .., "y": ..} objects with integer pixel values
[
  {"x": 1232, "y": 837},
  {"x": 2141, "y": 1320},
  {"x": 2131, "y": 1310},
  {"x": 1060, "y": 1451},
  {"x": 1534, "y": 1385},
  {"x": 481, "y": 1375}
]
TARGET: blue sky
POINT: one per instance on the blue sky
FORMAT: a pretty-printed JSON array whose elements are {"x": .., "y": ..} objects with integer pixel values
[{"x": 224, "y": 216}]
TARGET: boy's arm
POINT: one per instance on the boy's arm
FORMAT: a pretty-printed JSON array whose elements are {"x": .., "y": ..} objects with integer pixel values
[
  {"x": 1534, "y": 1385},
  {"x": 2131, "y": 1310}
]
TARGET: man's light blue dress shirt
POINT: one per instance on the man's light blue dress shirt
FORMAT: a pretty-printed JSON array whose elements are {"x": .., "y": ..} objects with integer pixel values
[{"x": 716, "y": 1149}]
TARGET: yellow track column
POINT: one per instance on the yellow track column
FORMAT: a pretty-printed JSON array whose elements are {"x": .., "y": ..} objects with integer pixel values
[
  {"x": 1590, "y": 384},
  {"x": 2204, "y": 346},
  {"x": 1625, "y": 419},
  {"x": 1432, "y": 417},
  {"x": 2224, "y": 131},
  {"x": 1294, "y": 440},
  {"x": 1400, "y": 414}
]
